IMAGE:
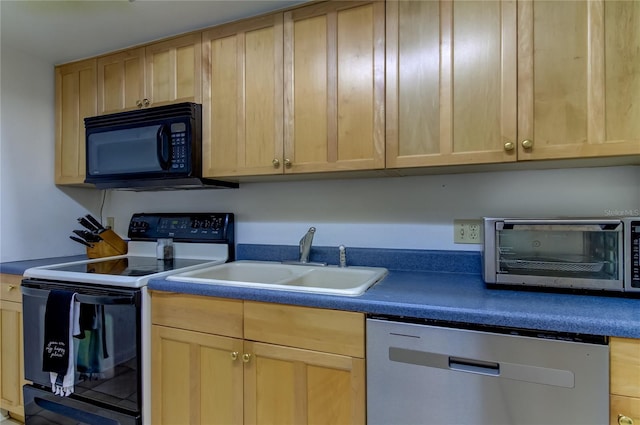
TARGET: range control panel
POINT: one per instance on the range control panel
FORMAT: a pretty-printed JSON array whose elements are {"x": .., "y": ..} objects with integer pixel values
[{"x": 185, "y": 227}]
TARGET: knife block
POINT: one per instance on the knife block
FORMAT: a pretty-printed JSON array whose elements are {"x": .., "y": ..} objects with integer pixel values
[{"x": 110, "y": 245}]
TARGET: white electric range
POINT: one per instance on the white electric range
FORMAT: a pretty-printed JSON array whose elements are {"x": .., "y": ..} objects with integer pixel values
[{"x": 115, "y": 287}]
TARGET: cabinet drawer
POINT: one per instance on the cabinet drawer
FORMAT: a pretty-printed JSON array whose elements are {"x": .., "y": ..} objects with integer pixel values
[
  {"x": 624, "y": 406},
  {"x": 625, "y": 366},
  {"x": 10, "y": 287},
  {"x": 330, "y": 331},
  {"x": 197, "y": 313}
]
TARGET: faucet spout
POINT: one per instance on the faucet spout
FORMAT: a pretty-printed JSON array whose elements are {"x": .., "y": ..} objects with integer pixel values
[{"x": 305, "y": 245}]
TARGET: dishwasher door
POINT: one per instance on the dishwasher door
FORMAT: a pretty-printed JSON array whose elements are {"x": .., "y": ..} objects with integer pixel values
[{"x": 423, "y": 374}]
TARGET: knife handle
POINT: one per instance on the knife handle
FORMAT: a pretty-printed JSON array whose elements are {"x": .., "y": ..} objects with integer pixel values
[
  {"x": 87, "y": 224},
  {"x": 95, "y": 222},
  {"x": 80, "y": 241}
]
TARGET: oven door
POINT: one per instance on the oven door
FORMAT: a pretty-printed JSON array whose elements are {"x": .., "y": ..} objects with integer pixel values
[
  {"x": 584, "y": 254},
  {"x": 108, "y": 358}
]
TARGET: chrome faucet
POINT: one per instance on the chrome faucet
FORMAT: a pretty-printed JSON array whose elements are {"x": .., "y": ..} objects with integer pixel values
[{"x": 305, "y": 245}]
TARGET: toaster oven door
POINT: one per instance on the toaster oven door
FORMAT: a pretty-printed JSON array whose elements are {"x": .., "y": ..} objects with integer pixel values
[{"x": 583, "y": 254}]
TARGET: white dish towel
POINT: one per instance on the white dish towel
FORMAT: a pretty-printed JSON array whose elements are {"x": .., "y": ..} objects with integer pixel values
[{"x": 63, "y": 385}]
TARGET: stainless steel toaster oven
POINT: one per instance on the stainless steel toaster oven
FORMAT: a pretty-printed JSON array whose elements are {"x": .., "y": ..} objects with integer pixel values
[{"x": 591, "y": 254}]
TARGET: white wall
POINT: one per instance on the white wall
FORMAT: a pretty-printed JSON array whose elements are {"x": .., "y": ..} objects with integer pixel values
[
  {"x": 36, "y": 217},
  {"x": 395, "y": 212}
]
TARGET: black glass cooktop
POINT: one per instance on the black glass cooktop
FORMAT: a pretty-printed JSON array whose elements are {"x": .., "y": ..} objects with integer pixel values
[{"x": 130, "y": 266}]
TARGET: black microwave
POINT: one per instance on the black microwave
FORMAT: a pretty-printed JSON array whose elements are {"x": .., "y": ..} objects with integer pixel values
[{"x": 146, "y": 149}]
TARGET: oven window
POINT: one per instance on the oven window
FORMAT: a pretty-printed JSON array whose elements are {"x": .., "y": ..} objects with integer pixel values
[
  {"x": 107, "y": 359},
  {"x": 584, "y": 254}
]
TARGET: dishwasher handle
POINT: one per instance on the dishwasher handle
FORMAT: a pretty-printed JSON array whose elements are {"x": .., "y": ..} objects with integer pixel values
[{"x": 474, "y": 366}]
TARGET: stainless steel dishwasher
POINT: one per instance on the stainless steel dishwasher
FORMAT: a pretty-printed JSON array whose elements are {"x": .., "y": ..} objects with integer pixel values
[{"x": 424, "y": 374}]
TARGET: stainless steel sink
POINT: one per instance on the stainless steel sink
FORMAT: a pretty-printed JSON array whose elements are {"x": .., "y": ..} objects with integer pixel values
[{"x": 348, "y": 281}]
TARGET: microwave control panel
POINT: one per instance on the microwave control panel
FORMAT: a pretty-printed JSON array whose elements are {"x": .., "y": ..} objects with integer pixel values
[{"x": 179, "y": 147}]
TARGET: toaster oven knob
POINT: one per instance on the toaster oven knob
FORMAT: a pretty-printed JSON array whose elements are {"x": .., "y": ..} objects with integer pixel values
[
  {"x": 527, "y": 144},
  {"x": 509, "y": 146},
  {"x": 276, "y": 163},
  {"x": 624, "y": 420}
]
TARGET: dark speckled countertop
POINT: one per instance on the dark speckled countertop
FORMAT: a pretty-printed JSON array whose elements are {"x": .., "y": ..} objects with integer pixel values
[{"x": 438, "y": 285}]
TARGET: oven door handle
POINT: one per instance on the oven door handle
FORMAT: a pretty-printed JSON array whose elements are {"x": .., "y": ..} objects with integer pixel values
[{"x": 85, "y": 298}]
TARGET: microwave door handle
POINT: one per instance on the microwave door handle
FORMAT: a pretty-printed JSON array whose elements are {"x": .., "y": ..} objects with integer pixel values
[{"x": 164, "y": 147}]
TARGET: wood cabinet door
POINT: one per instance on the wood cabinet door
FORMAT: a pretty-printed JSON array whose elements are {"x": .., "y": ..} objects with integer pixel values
[
  {"x": 173, "y": 70},
  {"x": 242, "y": 98},
  {"x": 578, "y": 79},
  {"x": 451, "y": 82},
  {"x": 121, "y": 81},
  {"x": 196, "y": 378},
  {"x": 11, "y": 361},
  {"x": 334, "y": 87},
  {"x": 286, "y": 385},
  {"x": 75, "y": 100}
]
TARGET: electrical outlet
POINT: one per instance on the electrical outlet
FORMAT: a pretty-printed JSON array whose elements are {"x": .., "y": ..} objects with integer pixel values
[
  {"x": 467, "y": 231},
  {"x": 111, "y": 222}
]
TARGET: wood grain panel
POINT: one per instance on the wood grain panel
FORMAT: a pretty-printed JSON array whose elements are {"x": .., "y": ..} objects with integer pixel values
[
  {"x": 355, "y": 96},
  {"x": 477, "y": 109},
  {"x": 331, "y": 331},
  {"x": 334, "y": 87},
  {"x": 451, "y": 82},
  {"x": 260, "y": 86},
  {"x": 310, "y": 91},
  {"x": 243, "y": 97},
  {"x": 291, "y": 385},
  {"x": 560, "y": 77},
  {"x": 220, "y": 107},
  {"x": 623, "y": 406},
  {"x": 625, "y": 366},
  {"x": 205, "y": 388},
  {"x": 418, "y": 71},
  {"x": 173, "y": 70},
  {"x": 120, "y": 81},
  {"x": 197, "y": 313},
  {"x": 76, "y": 99},
  {"x": 622, "y": 48},
  {"x": 11, "y": 358},
  {"x": 10, "y": 287}
]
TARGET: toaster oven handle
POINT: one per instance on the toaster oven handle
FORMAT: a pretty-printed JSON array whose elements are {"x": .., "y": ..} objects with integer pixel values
[
  {"x": 560, "y": 224},
  {"x": 164, "y": 147}
]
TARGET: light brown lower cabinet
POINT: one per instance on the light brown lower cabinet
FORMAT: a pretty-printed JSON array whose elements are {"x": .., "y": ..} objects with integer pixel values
[
  {"x": 217, "y": 361},
  {"x": 625, "y": 381},
  {"x": 11, "y": 361}
]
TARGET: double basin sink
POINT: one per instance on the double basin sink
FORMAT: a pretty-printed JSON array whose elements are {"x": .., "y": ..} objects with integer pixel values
[{"x": 332, "y": 280}]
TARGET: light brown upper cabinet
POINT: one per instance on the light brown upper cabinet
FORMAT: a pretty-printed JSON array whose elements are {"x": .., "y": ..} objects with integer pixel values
[
  {"x": 75, "y": 99},
  {"x": 451, "y": 82},
  {"x": 242, "y": 98},
  {"x": 578, "y": 79},
  {"x": 121, "y": 81},
  {"x": 456, "y": 77},
  {"x": 333, "y": 87},
  {"x": 157, "y": 74}
]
